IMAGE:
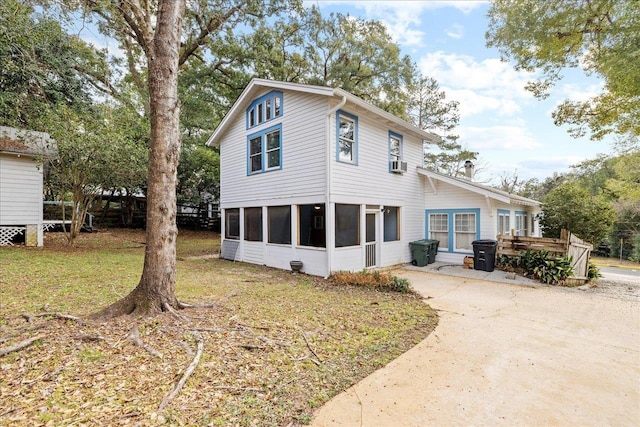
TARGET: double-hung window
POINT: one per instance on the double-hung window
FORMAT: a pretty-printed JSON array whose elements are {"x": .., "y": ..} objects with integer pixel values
[
  {"x": 347, "y": 138},
  {"x": 264, "y": 109},
  {"x": 504, "y": 226},
  {"x": 264, "y": 150},
  {"x": 395, "y": 147},
  {"x": 465, "y": 230},
  {"x": 455, "y": 229},
  {"x": 439, "y": 229}
]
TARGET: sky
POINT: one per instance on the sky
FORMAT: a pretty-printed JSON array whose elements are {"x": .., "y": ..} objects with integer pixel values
[{"x": 512, "y": 131}]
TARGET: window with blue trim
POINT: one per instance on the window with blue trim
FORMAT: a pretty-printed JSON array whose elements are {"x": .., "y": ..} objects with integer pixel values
[
  {"x": 521, "y": 223},
  {"x": 395, "y": 147},
  {"x": 347, "y": 137},
  {"x": 264, "y": 150},
  {"x": 455, "y": 229},
  {"x": 504, "y": 219},
  {"x": 267, "y": 107}
]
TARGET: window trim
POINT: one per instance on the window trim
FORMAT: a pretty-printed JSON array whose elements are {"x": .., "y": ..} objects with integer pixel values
[
  {"x": 268, "y": 234},
  {"x": 354, "y": 148},
  {"x": 358, "y": 229},
  {"x": 525, "y": 219},
  {"x": 263, "y": 150},
  {"x": 400, "y": 138},
  {"x": 227, "y": 213},
  {"x": 316, "y": 222},
  {"x": 246, "y": 234},
  {"x": 501, "y": 213},
  {"x": 398, "y": 225},
  {"x": 455, "y": 248},
  {"x": 254, "y": 119},
  {"x": 451, "y": 227}
]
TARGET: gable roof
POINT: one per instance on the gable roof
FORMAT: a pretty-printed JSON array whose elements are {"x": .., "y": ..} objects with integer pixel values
[
  {"x": 484, "y": 190},
  {"x": 255, "y": 84}
]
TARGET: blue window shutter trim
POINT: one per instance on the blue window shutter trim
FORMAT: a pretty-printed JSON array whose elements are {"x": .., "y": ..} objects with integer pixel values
[
  {"x": 401, "y": 138},
  {"x": 262, "y": 134},
  {"x": 253, "y": 107},
  {"x": 356, "y": 144},
  {"x": 451, "y": 218}
]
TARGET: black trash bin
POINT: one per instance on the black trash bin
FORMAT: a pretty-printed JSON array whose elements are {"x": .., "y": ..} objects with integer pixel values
[{"x": 484, "y": 254}]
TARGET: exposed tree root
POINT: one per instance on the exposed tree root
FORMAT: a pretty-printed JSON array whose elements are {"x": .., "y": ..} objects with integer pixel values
[
  {"x": 19, "y": 346},
  {"x": 173, "y": 393},
  {"x": 167, "y": 307},
  {"x": 134, "y": 336},
  {"x": 183, "y": 305},
  {"x": 139, "y": 303}
]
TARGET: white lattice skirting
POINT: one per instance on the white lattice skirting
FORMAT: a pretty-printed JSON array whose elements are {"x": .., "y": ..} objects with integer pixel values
[{"x": 8, "y": 233}]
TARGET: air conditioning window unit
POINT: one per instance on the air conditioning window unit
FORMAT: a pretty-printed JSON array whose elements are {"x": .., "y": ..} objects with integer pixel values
[{"x": 398, "y": 167}]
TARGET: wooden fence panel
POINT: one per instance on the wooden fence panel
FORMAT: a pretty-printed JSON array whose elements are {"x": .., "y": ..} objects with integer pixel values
[{"x": 568, "y": 245}]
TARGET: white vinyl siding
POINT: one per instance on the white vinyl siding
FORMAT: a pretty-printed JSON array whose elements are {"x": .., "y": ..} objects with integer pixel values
[
  {"x": 300, "y": 144},
  {"x": 370, "y": 183},
  {"x": 20, "y": 190}
]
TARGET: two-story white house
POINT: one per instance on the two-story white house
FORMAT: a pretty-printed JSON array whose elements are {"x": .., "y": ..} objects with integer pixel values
[{"x": 316, "y": 174}]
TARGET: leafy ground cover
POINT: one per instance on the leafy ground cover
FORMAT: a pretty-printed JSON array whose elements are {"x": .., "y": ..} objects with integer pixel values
[{"x": 275, "y": 345}]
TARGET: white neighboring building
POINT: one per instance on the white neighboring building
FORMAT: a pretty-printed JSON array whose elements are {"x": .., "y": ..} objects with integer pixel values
[
  {"x": 316, "y": 174},
  {"x": 21, "y": 185}
]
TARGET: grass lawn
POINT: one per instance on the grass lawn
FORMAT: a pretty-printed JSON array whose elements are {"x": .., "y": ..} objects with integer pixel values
[
  {"x": 615, "y": 262},
  {"x": 276, "y": 345}
]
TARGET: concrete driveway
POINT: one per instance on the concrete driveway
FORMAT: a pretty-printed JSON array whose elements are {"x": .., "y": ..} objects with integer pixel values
[{"x": 505, "y": 354}]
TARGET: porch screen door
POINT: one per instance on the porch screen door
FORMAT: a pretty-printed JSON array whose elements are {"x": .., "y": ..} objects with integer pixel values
[{"x": 370, "y": 245}]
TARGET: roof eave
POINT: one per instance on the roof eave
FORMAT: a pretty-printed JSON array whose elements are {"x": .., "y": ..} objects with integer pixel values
[{"x": 317, "y": 90}]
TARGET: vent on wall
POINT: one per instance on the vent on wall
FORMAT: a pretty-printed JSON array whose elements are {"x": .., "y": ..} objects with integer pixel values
[{"x": 398, "y": 167}]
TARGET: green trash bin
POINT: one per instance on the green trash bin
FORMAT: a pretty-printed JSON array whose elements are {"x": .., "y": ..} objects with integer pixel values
[
  {"x": 433, "y": 251},
  {"x": 423, "y": 252}
]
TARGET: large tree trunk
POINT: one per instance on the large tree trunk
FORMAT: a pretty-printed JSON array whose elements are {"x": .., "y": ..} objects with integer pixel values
[{"x": 156, "y": 290}]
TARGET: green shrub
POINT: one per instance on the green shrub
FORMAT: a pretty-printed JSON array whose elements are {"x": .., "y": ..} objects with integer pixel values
[
  {"x": 593, "y": 272},
  {"x": 371, "y": 279},
  {"x": 539, "y": 265}
]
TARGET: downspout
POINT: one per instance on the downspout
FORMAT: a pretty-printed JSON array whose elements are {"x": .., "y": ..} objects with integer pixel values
[{"x": 329, "y": 240}]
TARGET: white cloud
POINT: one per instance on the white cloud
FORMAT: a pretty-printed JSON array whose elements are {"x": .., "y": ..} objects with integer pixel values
[
  {"x": 479, "y": 86},
  {"x": 497, "y": 138},
  {"x": 455, "y": 31},
  {"x": 403, "y": 18}
]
